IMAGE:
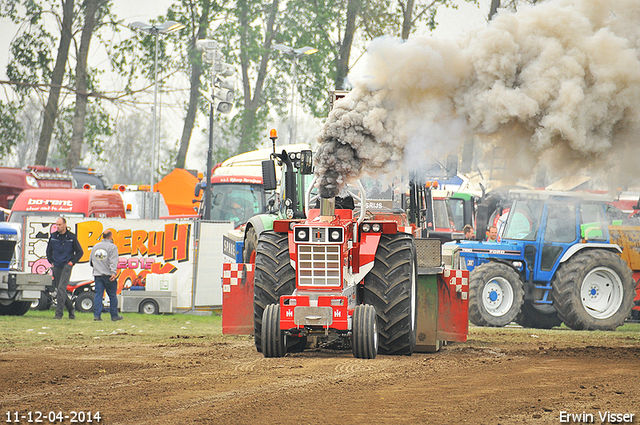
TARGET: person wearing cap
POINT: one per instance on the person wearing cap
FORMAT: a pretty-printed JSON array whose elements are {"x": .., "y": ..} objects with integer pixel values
[
  {"x": 63, "y": 251},
  {"x": 104, "y": 260}
]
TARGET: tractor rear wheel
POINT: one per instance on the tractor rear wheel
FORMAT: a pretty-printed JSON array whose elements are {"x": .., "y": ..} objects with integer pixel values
[
  {"x": 496, "y": 295},
  {"x": 364, "y": 340},
  {"x": 533, "y": 317},
  {"x": 390, "y": 287},
  {"x": 274, "y": 341},
  {"x": 273, "y": 277},
  {"x": 594, "y": 290}
]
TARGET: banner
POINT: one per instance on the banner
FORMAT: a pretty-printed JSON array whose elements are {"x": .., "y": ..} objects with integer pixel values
[{"x": 144, "y": 246}]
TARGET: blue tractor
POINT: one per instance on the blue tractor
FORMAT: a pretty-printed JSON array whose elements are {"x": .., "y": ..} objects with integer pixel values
[{"x": 555, "y": 263}]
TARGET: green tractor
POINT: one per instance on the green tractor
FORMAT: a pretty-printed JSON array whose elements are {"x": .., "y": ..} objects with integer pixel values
[{"x": 288, "y": 202}]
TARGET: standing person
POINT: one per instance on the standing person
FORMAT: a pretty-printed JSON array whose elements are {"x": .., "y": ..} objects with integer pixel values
[
  {"x": 104, "y": 260},
  {"x": 63, "y": 251},
  {"x": 493, "y": 234},
  {"x": 468, "y": 232}
]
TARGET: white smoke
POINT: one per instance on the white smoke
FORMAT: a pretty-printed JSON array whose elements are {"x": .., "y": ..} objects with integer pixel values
[{"x": 558, "y": 82}]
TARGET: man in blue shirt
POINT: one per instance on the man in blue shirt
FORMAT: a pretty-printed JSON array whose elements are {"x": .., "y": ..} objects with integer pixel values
[{"x": 63, "y": 251}]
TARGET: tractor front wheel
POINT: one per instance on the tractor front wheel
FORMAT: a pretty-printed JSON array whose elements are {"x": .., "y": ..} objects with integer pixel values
[
  {"x": 594, "y": 290},
  {"x": 274, "y": 277},
  {"x": 496, "y": 295},
  {"x": 274, "y": 340},
  {"x": 364, "y": 340}
]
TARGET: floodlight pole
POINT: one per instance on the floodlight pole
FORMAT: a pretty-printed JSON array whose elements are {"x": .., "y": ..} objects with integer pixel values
[
  {"x": 294, "y": 110},
  {"x": 154, "y": 135}
]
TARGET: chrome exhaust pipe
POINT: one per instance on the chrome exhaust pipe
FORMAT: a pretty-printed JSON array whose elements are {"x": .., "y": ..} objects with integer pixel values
[{"x": 327, "y": 209}]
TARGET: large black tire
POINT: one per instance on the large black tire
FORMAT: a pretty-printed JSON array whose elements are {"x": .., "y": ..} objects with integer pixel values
[
  {"x": 273, "y": 278},
  {"x": 364, "y": 340},
  {"x": 250, "y": 245},
  {"x": 390, "y": 287},
  {"x": 21, "y": 307},
  {"x": 496, "y": 295},
  {"x": 532, "y": 317},
  {"x": 593, "y": 290},
  {"x": 84, "y": 302},
  {"x": 14, "y": 308},
  {"x": 274, "y": 341},
  {"x": 43, "y": 303}
]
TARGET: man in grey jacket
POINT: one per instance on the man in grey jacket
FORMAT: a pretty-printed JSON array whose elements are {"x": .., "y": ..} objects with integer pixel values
[{"x": 104, "y": 260}]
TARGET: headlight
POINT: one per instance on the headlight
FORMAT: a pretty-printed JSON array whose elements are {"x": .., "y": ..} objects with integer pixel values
[
  {"x": 302, "y": 234},
  {"x": 289, "y": 213},
  {"x": 375, "y": 227},
  {"x": 287, "y": 202},
  {"x": 366, "y": 227},
  {"x": 32, "y": 181},
  {"x": 335, "y": 235}
]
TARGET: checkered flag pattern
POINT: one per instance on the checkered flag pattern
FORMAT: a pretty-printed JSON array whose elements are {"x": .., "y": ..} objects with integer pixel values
[
  {"x": 232, "y": 274},
  {"x": 460, "y": 279}
]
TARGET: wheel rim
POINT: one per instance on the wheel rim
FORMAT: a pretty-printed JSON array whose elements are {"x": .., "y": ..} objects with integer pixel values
[
  {"x": 86, "y": 304},
  {"x": 149, "y": 308},
  {"x": 34, "y": 304},
  {"x": 497, "y": 296},
  {"x": 601, "y": 293}
]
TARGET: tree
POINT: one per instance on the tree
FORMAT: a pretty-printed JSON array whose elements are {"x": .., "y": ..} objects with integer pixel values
[
  {"x": 75, "y": 149},
  {"x": 51, "y": 109},
  {"x": 197, "y": 16},
  {"x": 508, "y": 4}
]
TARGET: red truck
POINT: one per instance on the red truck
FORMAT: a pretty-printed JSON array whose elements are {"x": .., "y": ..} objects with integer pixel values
[{"x": 14, "y": 180}]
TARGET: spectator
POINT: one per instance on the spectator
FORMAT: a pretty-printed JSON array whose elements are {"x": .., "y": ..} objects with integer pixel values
[
  {"x": 468, "y": 232},
  {"x": 63, "y": 251},
  {"x": 104, "y": 260},
  {"x": 493, "y": 234}
]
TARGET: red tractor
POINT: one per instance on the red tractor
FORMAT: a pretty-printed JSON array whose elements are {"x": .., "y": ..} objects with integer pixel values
[{"x": 341, "y": 273}]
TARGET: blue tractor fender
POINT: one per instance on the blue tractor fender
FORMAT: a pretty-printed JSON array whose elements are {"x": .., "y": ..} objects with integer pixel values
[{"x": 574, "y": 249}]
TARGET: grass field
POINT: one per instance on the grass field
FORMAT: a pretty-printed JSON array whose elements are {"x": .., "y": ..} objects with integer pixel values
[{"x": 38, "y": 328}]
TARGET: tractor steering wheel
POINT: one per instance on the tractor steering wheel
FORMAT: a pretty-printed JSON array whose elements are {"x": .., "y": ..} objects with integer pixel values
[{"x": 356, "y": 191}]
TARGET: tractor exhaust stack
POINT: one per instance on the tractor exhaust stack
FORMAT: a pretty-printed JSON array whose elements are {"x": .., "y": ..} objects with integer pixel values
[{"x": 327, "y": 209}]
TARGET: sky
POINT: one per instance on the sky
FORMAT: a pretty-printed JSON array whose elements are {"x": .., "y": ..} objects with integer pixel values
[{"x": 452, "y": 23}]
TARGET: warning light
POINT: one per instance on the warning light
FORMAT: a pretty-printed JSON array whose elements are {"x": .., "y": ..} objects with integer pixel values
[
  {"x": 122, "y": 188},
  {"x": 435, "y": 184},
  {"x": 273, "y": 134},
  {"x": 86, "y": 186}
]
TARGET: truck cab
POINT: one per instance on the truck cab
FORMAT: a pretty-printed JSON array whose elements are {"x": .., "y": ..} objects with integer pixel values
[
  {"x": 71, "y": 202},
  {"x": 14, "y": 180}
]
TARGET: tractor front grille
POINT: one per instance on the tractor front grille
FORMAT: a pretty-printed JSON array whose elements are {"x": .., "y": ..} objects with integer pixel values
[{"x": 319, "y": 265}]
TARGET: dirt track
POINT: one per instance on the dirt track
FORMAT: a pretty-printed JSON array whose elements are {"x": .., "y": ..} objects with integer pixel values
[{"x": 499, "y": 377}]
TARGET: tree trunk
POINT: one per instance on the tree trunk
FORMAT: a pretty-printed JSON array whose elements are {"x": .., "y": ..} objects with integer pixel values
[
  {"x": 51, "y": 110},
  {"x": 407, "y": 19},
  {"x": 342, "y": 68},
  {"x": 75, "y": 146},
  {"x": 251, "y": 102},
  {"x": 194, "y": 90},
  {"x": 495, "y": 4}
]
